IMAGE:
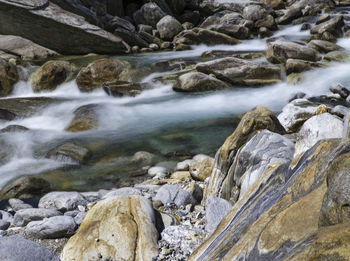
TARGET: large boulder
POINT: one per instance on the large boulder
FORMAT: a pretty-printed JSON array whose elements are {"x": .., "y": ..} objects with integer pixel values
[
  {"x": 25, "y": 187},
  {"x": 152, "y": 13},
  {"x": 23, "y": 48},
  {"x": 53, "y": 26},
  {"x": 280, "y": 51},
  {"x": 198, "y": 82},
  {"x": 168, "y": 27},
  {"x": 333, "y": 26},
  {"x": 257, "y": 119},
  {"x": 298, "y": 65},
  {"x": 8, "y": 77},
  {"x": 99, "y": 72},
  {"x": 278, "y": 219},
  {"x": 51, "y": 74},
  {"x": 203, "y": 36},
  {"x": 119, "y": 228},
  {"x": 241, "y": 72},
  {"x": 17, "y": 248},
  {"x": 324, "y": 46}
]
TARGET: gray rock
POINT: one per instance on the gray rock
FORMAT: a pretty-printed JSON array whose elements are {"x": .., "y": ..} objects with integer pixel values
[
  {"x": 152, "y": 13},
  {"x": 168, "y": 27},
  {"x": 5, "y": 216},
  {"x": 17, "y": 204},
  {"x": 215, "y": 210},
  {"x": 324, "y": 46},
  {"x": 200, "y": 157},
  {"x": 157, "y": 170},
  {"x": 17, "y": 248},
  {"x": 91, "y": 196},
  {"x": 24, "y": 216},
  {"x": 53, "y": 227},
  {"x": 144, "y": 158},
  {"x": 174, "y": 194},
  {"x": 242, "y": 72},
  {"x": 290, "y": 14},
  {"x": 53, "y": 21},
  {"x": 63, "y": 201},
  {"x": 262, "y": 151},
  {"x": 198, "y": 82},
  {"x": 123, "y": 192},
  {"x": 323, "y": 126},
  {"x": 78, "y": 219},
  {"x": 332, "y": 26},
  {"x": 295, "y": 113},
  {"x": 340, "y": 89},
  {"x": 254, "y": 12},
  {"x": 4, "y": 224},
  {"x": 340, "y": 111},
  {"x": 183, "y": 165}
]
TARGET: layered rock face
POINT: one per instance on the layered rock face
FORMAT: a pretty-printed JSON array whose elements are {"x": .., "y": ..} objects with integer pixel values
[{"x": 16, "y": 18}]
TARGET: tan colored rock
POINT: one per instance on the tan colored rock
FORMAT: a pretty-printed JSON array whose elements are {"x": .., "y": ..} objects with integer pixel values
[
  {"x": 85, "y": 118},
  {"x": 181, "y": 175},
  {"x": 99, "y": 72},
  {"x": 200, "y": 170},
  {"x": 321, "y": 109},
  {"x": 8, "y": 77},
  {"x": 52, "y": 74},
  {"x": 119, "y": 228}
]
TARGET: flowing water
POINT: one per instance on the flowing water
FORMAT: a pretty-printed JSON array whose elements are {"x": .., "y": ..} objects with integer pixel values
[{"x": 159, "y": 120}]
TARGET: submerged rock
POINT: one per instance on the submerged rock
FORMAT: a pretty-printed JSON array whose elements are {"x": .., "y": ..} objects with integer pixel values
[
  {"x": 242, "y": 72},
  {"x": 85, "y": 118},
  {"x": 52, "y": 74},
  {"x": 120, "y": 228},
  {"x": 70, "y": 153},
  {"x": 99, "y": 72},
  {"x": 198, "y": 82},
  {"x": 124, "y": 88}
]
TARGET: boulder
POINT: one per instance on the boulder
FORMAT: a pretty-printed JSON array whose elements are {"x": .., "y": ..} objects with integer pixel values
[
  {"x": 257, "y": 119},
  {"x": 4, "y": 224},
  {"x": 241, "y": 72},
  {"x": 324, "y": 46},
  {"x": 120, "y": 228},
  {"x": 280, "y": 51},
  {"x": 201, "y": 169},
  {"x": 85, "y": 118},
  {"x": 17, "y": 248},
  {"x": 198, "y": 36},
  {"x": 254, "y": 12},
  {"x": 332, "y": 26},
  {"x": 23, "y": 48},
  {"x": 25, "y": 187},
  {"x": 70, "y": 153},
  {"x": 278, "y": 219},
  {"x": 215, "y": 210},
  {"x": 337, "y": 56},
  {"x": 168, "y": 27},
  {"x": 291, "y": 14},
  {"x": 51, "y": 228},
  {"x": 99, "y": 72},
  {"x": 295, "y": 113},
  {"x": 152, "y": 13},
  {"x": 24, "y": 216},
  {"x": 8, "y": 77},
  {"x": 298, "y": 65},
  {"x": 174, "y": 194},
  {"x": 323, "y": 126},
  {"x": 198, "y": 82},
  {"x": 62, "y": 201},
  {"x": 52, "y": 74},
  {"x": 60, "y": 25}
]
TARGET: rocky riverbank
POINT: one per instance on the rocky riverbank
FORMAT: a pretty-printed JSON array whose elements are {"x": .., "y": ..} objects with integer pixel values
[{"x": 276, "y": 189}]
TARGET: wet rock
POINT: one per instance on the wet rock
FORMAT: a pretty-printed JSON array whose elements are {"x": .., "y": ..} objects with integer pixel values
[
  {"x": 124, "y": 88},
  {"x": 174, "y": 194},
  {"x": 59, "y": 25},
  {"x": 144, "y": 158},
  {"x": 52, "y": 74},
  {"x": 8, "y": 77},
  {"x": 70, "y": 153},
  {"x": 25, "y": 187},
  {"x": 340, "y": 111},
  {"x": 324, "y": 46},
  {"x": 337, "y": 56},
  {"x": 332, "y": 26},
  {"x": 23, "y": 48},
  {"x": 281, "y": 51},
  {"x": 215, "y": 210},
  {"x": 17, "y": 248},
  {"x": 201, "y": 169},
  {"x": 254, "y": 12},
  {"x": 298, "y": 66},
  {"x": 4, "y": 224},
  {"x": 53, "y": 227},
  {"x": 115, "y": 228},
  {"x": 99, "y": 72},
  {"x": 123, "y": 192},
  {"x": 198, "y": 36},
  {"x": 85, "y": 118},
  {"x": 242, "y": 72},
  {"x": 323, "y": 126},
  {"x": 14, "y": 128},
  {"x": 62, "y": 201},
  {"x": 295, "y": 113},
  {"x": 257, "y": 119},
  {"x": 198, "y": 82},
  {"x": 24, "y": 216},
  {"x": 340, "y": 89},
  {"x": 168, "y": 27},
  {"x": 291, "y": 14},
  {"x": 152, "y": 13}
]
